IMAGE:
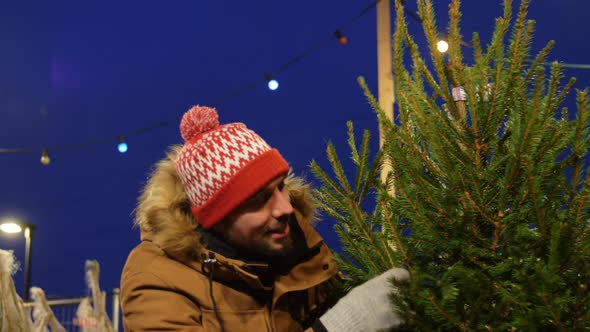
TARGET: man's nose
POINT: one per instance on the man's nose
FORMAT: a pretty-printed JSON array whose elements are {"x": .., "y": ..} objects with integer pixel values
[{"x": 281, "y": 204}]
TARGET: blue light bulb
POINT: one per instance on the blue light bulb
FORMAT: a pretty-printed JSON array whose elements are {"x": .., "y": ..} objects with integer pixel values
[
  {"x": 273, "y": 85},
  {"x": 122, "y": 147}
]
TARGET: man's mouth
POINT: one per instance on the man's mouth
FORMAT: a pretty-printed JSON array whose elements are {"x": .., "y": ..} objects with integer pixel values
[{"x": 281, "y": 231}]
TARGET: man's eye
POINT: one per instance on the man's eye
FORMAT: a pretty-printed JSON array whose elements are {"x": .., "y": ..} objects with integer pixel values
[
  {"x": 261, "y": 198},
  {"x": 257, "y": 201},
  {"x": 264, "y": 198}
]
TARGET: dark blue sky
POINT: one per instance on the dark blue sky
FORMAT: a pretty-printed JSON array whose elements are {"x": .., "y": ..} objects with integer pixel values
[{"x": 73, "y": 72}]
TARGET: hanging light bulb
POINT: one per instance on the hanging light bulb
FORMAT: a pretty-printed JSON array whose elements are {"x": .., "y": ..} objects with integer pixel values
[
  {"x": 442, "y": 46},
  {"x": 272, "y": 83},
  {"x": 45, "y": 160},
  {"x": 122, "y": 146},
  {"x": 341, "y": 38}
]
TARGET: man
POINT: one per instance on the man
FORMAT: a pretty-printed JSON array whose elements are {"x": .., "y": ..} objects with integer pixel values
[{"x": 228, "y": 245}]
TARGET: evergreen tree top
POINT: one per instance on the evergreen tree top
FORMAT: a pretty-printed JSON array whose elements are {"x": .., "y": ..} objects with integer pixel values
[{"x": 487, "y": 199}]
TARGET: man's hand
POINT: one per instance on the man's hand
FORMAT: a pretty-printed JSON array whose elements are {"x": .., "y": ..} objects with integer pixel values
[{"x": 367, "y": 307}]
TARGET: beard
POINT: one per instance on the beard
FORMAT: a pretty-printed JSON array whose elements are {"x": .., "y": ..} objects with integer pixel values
[
  {"x": 293, "y": 247},
  {"x": 261, "y": 250}
]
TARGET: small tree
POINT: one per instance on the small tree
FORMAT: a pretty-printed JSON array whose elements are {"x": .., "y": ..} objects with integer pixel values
[{"x": 487, "y": 201}]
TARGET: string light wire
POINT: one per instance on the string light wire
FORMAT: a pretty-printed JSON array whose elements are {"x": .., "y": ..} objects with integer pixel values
[
  {"x": 229, "y": 96},
  {"x": 240, "y": 91}
]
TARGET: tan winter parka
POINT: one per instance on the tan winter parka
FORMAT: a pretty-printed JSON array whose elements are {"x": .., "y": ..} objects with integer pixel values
[{"x": 172, "y": 281}]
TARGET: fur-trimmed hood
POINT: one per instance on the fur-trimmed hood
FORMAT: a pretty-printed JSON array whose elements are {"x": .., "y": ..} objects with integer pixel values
[{"x": 163, "y": 209}]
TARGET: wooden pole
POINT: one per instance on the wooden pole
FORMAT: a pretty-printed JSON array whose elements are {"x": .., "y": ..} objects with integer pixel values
[{"x": 385, "y": 72}]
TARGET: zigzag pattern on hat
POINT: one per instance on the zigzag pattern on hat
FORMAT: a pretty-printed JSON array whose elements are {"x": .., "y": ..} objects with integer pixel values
[{"x": 215, "y": 158}]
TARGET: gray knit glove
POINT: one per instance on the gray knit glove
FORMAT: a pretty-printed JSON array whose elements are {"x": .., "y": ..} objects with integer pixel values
[{"x": 367, "y": 307}]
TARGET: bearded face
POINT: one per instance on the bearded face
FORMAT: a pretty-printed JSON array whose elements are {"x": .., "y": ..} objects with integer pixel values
[{"x": 261, "y": 226}]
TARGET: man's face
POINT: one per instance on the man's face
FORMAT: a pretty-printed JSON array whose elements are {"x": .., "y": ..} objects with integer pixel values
[{"x": 260, "y": 226}]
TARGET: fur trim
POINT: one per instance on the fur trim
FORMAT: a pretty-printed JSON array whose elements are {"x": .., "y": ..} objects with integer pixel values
[
  {"x": 301, "y": 196},
  {"x": 163, "y": 209}
]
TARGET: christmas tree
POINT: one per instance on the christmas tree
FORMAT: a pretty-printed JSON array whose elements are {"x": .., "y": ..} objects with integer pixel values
[{"x": 486, "y": 203}]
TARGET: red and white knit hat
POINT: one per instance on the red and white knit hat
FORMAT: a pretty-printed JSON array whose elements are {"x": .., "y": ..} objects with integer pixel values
[{"x": 222, "y": 166}]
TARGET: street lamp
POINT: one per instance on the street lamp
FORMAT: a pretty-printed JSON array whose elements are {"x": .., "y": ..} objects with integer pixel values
[{"x": 11, "y": 226}]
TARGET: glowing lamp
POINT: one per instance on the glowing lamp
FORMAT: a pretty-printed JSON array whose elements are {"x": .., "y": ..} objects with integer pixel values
[
  {"x": 45, "y": 160},
  {"x": 341, "y": 38},
  {"x": 442, "y": 46},
  {"x": 273, "y": 84},
  {"x": 10, "y": 227},
  {"x": 122, "y": 146}
]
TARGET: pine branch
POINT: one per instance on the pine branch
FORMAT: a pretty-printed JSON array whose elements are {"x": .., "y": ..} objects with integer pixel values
[{"x": 338, "y": 171}]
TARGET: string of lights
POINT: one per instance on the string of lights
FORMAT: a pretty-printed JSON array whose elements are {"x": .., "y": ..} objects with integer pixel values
[{"x": 269, "y": 77}]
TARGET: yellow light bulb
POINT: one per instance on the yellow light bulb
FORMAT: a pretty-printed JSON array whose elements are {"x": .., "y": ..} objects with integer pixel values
[{"x": 45, "y": 160}]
